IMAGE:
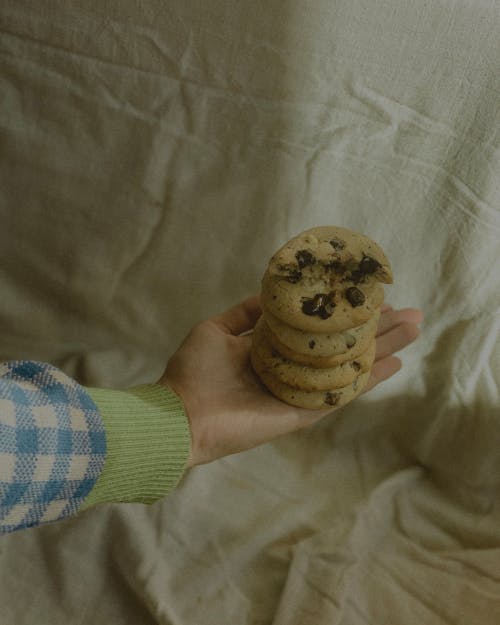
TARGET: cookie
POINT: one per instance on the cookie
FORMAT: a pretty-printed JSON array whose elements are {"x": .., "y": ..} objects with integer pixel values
[
  {"x": 326, "y": 279},
  {"x": 332, "y": 344},
  {"x": 319, "y": 362},
  {"x": 318, "y": 307},
  {"x": 335, "y": 398},
  {"x": 304, "y": 377}
]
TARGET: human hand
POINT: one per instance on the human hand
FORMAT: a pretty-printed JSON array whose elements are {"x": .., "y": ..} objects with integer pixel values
[{"x": 228, "y": 408}]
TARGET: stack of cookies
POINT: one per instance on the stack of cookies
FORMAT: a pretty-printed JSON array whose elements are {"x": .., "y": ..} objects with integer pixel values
[{"x": 314, "y": 345}]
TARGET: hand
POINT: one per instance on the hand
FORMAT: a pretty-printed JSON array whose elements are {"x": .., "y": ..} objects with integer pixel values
[{"x": 228, "y": 408}]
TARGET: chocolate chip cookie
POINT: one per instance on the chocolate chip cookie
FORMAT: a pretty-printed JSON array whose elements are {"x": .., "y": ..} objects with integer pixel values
[
  {"x": 313, "y": 344},
  {"x": 334, "y": 398},
  {"x": 326, "y": 279},
  {"x": 304, "y": 377}
]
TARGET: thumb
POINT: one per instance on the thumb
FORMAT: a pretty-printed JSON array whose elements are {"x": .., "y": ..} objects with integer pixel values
[{"x": 239, "y": 318}]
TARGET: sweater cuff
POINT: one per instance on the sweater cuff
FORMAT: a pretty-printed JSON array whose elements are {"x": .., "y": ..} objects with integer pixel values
[{"x": 148, "y": 443}]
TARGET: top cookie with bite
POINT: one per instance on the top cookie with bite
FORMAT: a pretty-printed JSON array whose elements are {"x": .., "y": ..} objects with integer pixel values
[
  {"x": 325, "y": 279},
  {"x": 342, "y": 253}
]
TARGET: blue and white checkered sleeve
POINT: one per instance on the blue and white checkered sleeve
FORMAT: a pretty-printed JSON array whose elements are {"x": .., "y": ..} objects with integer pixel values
[{"x": 52, "y": 445}]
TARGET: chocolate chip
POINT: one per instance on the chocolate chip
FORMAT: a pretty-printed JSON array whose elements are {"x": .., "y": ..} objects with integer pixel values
[
  {"x": 310, "y": 306},
  {"x": 275, "y": 353},
  {"x": 325, "y": 312},
  {"x": 350, "y": 340},
  {"x": 290, "y": 273},
  {"x": 337, "y": 244},
  {"x": 321, "y": 305},
  {"x": 355, "y": 365},
  {"x": 332, "y": 399},
  {"x": 305, "y": 258},
  {"x": 354, "y": 296},
  {"x": 357, "y": 276},
  {"x": 294, "y": 276},
  {"x": 336, "y": 266},
  {"x": 368, "y": 265},
  {"x": 312, "y": 344}
]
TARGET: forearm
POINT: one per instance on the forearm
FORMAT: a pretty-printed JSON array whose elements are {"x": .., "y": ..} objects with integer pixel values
[{"x": 64, "y": 447}]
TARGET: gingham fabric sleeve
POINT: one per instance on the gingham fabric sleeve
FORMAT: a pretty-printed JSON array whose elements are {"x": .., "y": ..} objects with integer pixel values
[{"x": 52, "y": 445}]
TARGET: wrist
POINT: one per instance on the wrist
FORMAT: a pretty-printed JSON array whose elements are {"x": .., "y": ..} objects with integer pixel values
[
  {"x": 189, "y": 409},
  {"x": 148, "y": 444}
]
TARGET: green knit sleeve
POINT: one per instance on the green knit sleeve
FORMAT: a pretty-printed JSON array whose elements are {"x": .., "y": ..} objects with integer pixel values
[{"x": 148, "y": 443}]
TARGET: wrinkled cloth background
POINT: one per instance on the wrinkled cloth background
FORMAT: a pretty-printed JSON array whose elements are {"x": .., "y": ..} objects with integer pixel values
[{"x": 153, "y": 156}]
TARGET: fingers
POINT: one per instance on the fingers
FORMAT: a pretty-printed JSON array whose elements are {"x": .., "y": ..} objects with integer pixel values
[
  {"x": 239, "y": 318},
  {"x": 383, "y": 370},
  {"x": 395, "y": 339},
  {"x": 391, "y": 318},
  {"x": 396, "y": 330}
]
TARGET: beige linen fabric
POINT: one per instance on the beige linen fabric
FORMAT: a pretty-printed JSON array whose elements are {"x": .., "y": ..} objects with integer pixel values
[{"x": 153, "y": 156}]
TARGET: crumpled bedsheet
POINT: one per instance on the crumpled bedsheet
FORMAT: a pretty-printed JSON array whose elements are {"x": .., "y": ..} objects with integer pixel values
[{"x": 154, "y": 155}]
